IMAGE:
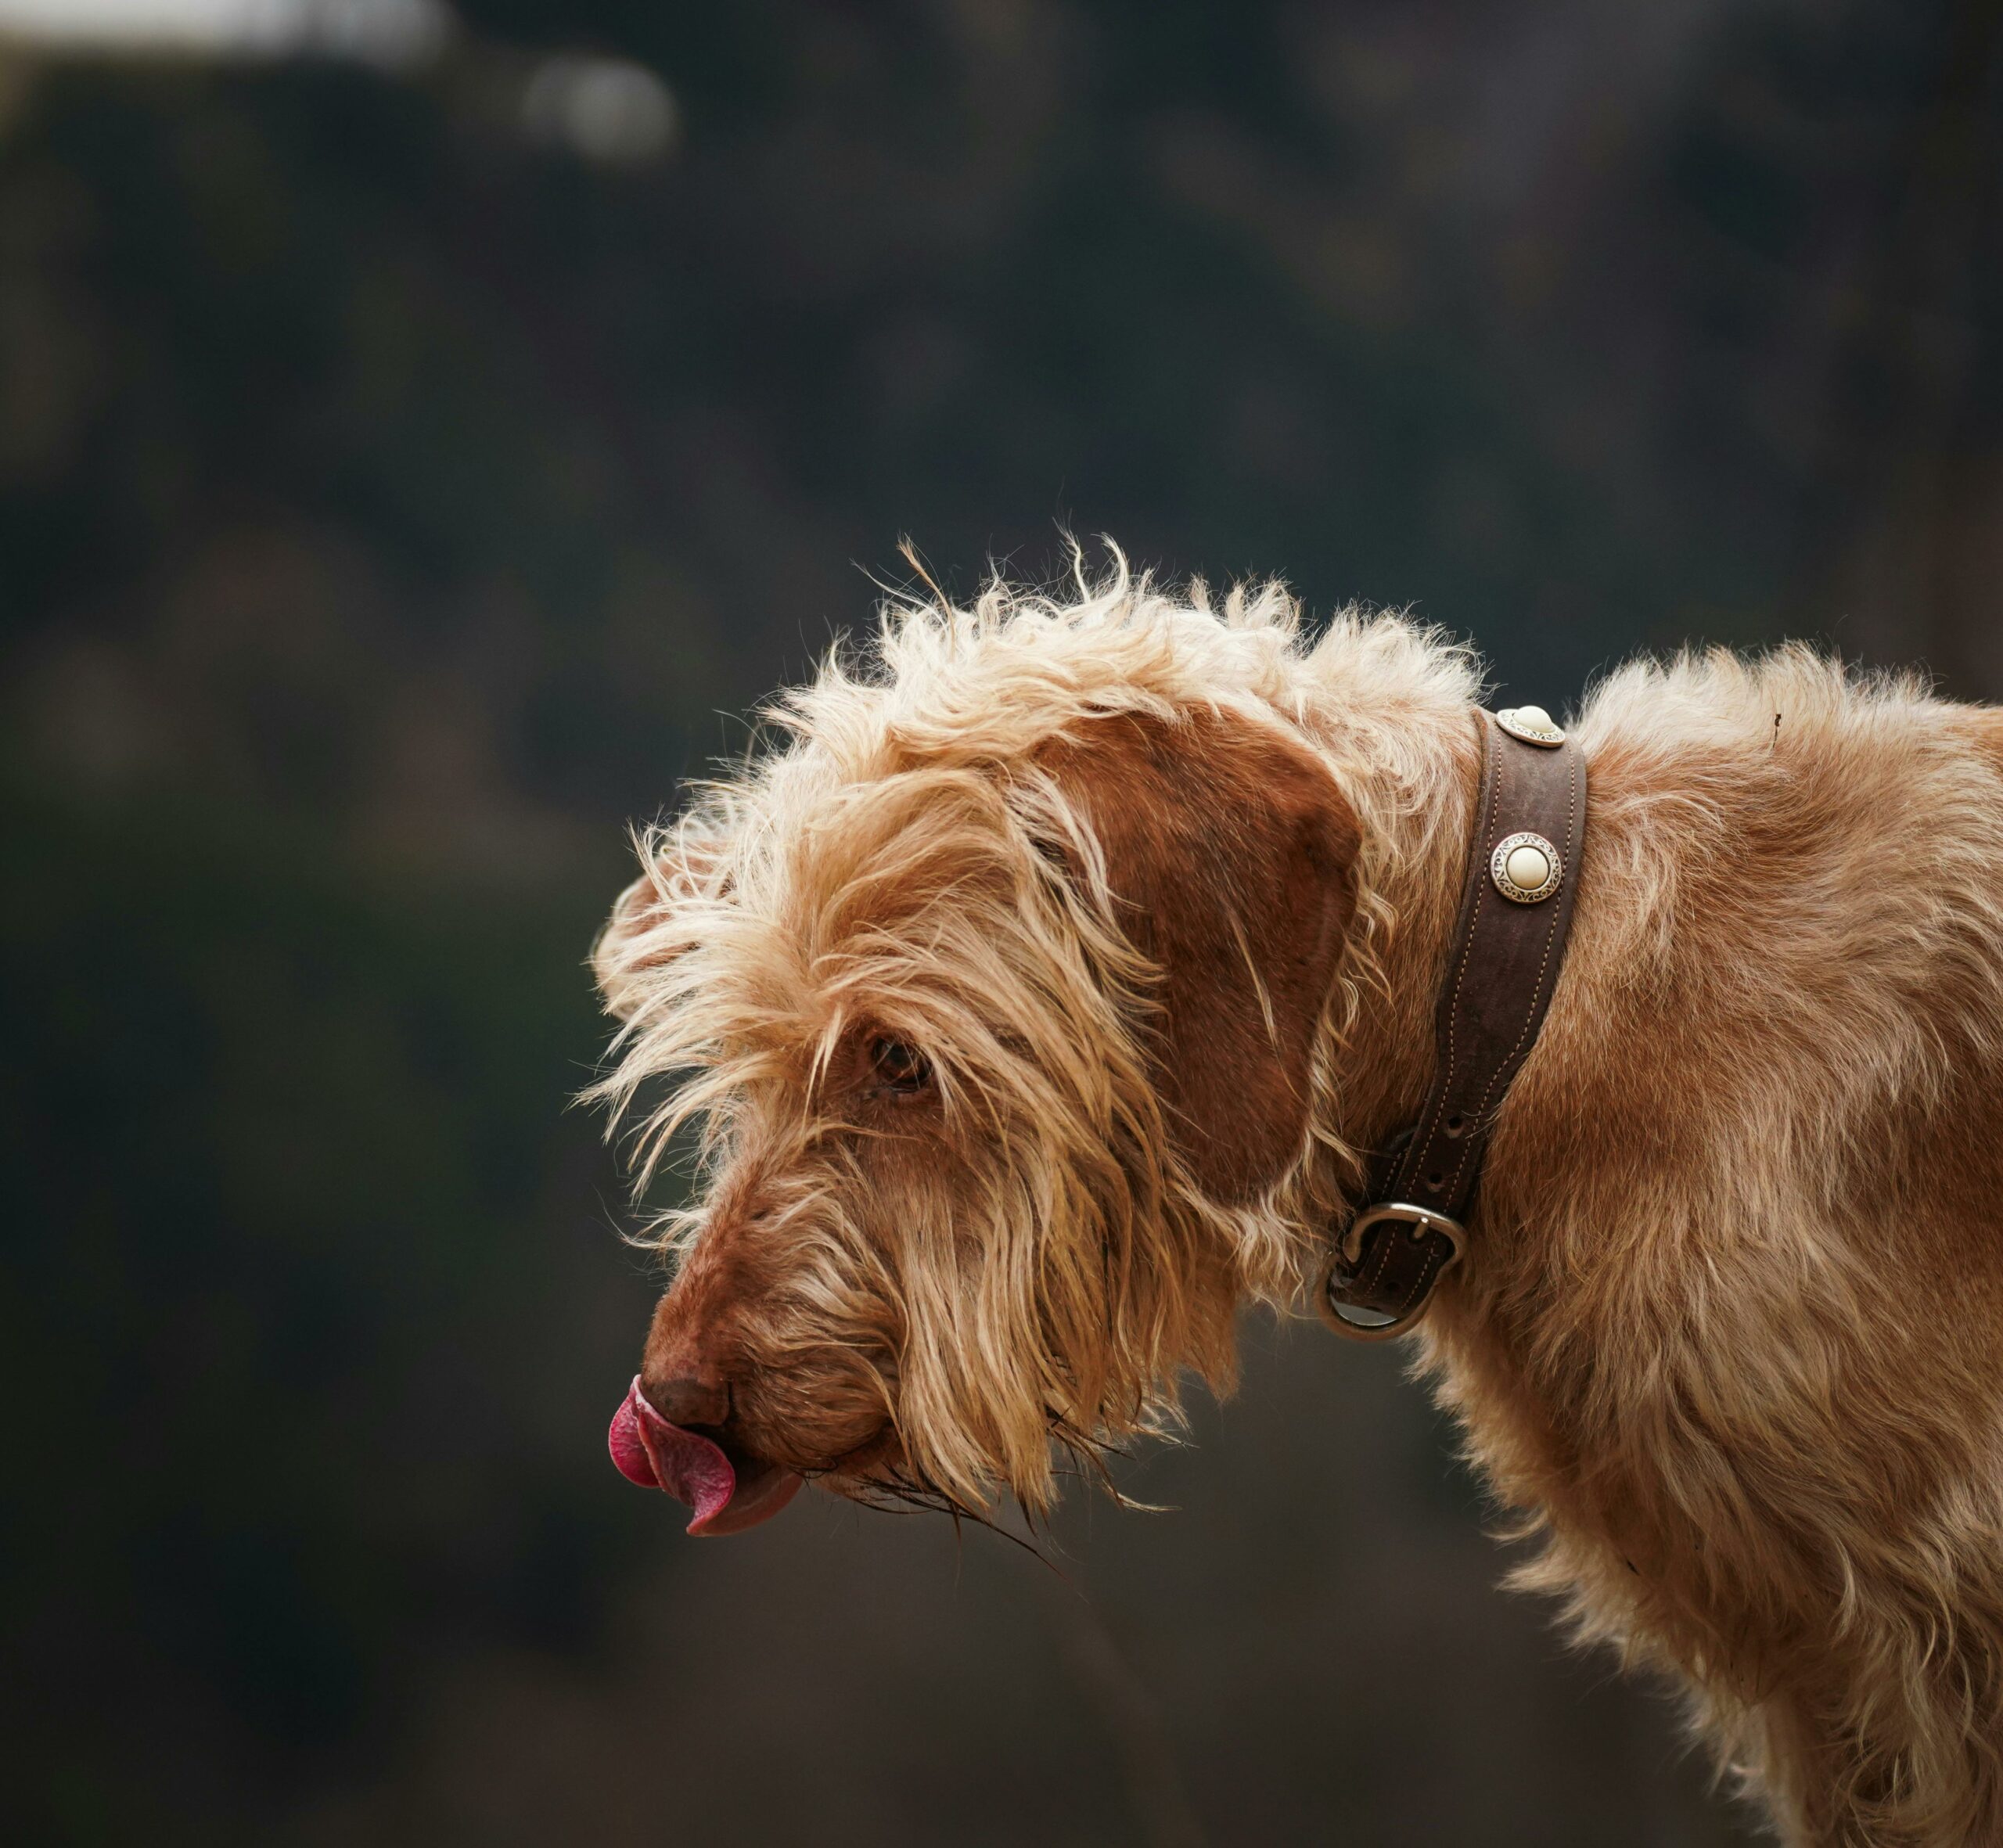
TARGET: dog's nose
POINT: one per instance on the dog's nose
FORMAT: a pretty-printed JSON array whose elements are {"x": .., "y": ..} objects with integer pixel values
[{"x": 686, "y": 1400}]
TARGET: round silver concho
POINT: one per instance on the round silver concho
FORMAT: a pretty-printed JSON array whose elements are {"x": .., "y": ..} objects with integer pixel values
[
  {"x": 1532, "y": 724},
  {"x": 1526, "y": 868}
]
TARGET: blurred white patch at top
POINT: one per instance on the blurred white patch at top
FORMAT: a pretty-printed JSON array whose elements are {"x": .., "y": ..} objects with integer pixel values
[
  {"x": 389, "y": 32},
  {"x": 607, "y": 110}
]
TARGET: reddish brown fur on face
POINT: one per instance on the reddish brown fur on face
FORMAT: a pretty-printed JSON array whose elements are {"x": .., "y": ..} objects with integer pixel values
[
  {"x": 733, "y": 1325},
  {"x": 697, "y": 1334},
  {"x": 1231, "y": 854}
]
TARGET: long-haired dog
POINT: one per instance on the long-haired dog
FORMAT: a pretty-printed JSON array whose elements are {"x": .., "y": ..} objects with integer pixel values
[{"x": 1039, "y": 998}]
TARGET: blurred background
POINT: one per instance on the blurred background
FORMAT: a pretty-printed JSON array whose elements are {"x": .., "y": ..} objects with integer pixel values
[{"x": 425, "y": 432}]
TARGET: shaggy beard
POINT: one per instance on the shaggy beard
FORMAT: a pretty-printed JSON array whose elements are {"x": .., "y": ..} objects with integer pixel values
[{"x": 1041, "y": 1323}]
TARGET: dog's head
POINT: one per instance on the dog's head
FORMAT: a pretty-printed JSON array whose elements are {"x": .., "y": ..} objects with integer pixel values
[{"x": 996, "y": 1001}]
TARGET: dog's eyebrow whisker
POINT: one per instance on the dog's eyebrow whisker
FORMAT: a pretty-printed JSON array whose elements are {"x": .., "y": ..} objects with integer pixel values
[{"x": 824, "y": 1047}]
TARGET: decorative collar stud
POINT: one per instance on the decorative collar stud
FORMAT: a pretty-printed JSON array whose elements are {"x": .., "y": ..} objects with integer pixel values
[
  {"x": 1532, "y": 724},
  {"x": 1526, "y": 868}
]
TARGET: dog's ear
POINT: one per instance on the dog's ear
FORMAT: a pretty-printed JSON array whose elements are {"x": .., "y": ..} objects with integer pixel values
[
  {"x": 1231, "y": 855},
  {"x": 683, "y": 863}
]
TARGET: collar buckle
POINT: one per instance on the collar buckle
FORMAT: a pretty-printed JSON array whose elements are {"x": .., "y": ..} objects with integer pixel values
[{"x": 1394, "y": 1252}]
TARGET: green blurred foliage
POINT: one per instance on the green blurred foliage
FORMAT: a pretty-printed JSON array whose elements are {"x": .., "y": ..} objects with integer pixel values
[{"x": 291, "y": 1307}]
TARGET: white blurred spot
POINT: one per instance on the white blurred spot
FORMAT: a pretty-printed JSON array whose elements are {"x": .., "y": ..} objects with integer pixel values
[
  {"x": 392, "y": 32},
  {"x": 605, "y": 109}
]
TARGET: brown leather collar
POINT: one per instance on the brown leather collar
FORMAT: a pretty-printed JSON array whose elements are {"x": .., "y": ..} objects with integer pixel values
[{"x": 1509, "y": 944}]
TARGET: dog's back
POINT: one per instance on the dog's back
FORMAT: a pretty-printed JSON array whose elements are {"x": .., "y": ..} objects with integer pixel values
[{"x": 1745, "y": 1343}]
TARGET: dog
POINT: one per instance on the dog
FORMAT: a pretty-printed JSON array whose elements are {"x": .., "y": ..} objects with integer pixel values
[{"x": 1038, "y": 994}]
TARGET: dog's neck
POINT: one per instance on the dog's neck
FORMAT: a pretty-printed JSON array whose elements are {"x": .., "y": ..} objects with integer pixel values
[{"x": 1416, "y": 801}]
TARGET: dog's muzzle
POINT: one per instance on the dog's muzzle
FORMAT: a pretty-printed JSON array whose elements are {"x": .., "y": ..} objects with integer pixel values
[{"x": 726, "y": 1493}]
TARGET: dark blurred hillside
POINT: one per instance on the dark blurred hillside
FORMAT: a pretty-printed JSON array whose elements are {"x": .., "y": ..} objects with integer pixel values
[{"x": 404, "y": 472}]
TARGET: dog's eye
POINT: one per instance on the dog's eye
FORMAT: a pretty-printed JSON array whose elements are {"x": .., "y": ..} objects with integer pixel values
[{"x": 900, "y": 1068}]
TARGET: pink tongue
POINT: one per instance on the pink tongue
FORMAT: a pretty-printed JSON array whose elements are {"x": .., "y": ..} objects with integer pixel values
[{"x": 649, "y": 1450}]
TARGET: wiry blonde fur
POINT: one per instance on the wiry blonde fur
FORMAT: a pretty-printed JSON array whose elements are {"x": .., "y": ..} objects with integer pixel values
[
  {"x": 1732, "y": 1331},
  {"x": 884, "y": 800}
]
